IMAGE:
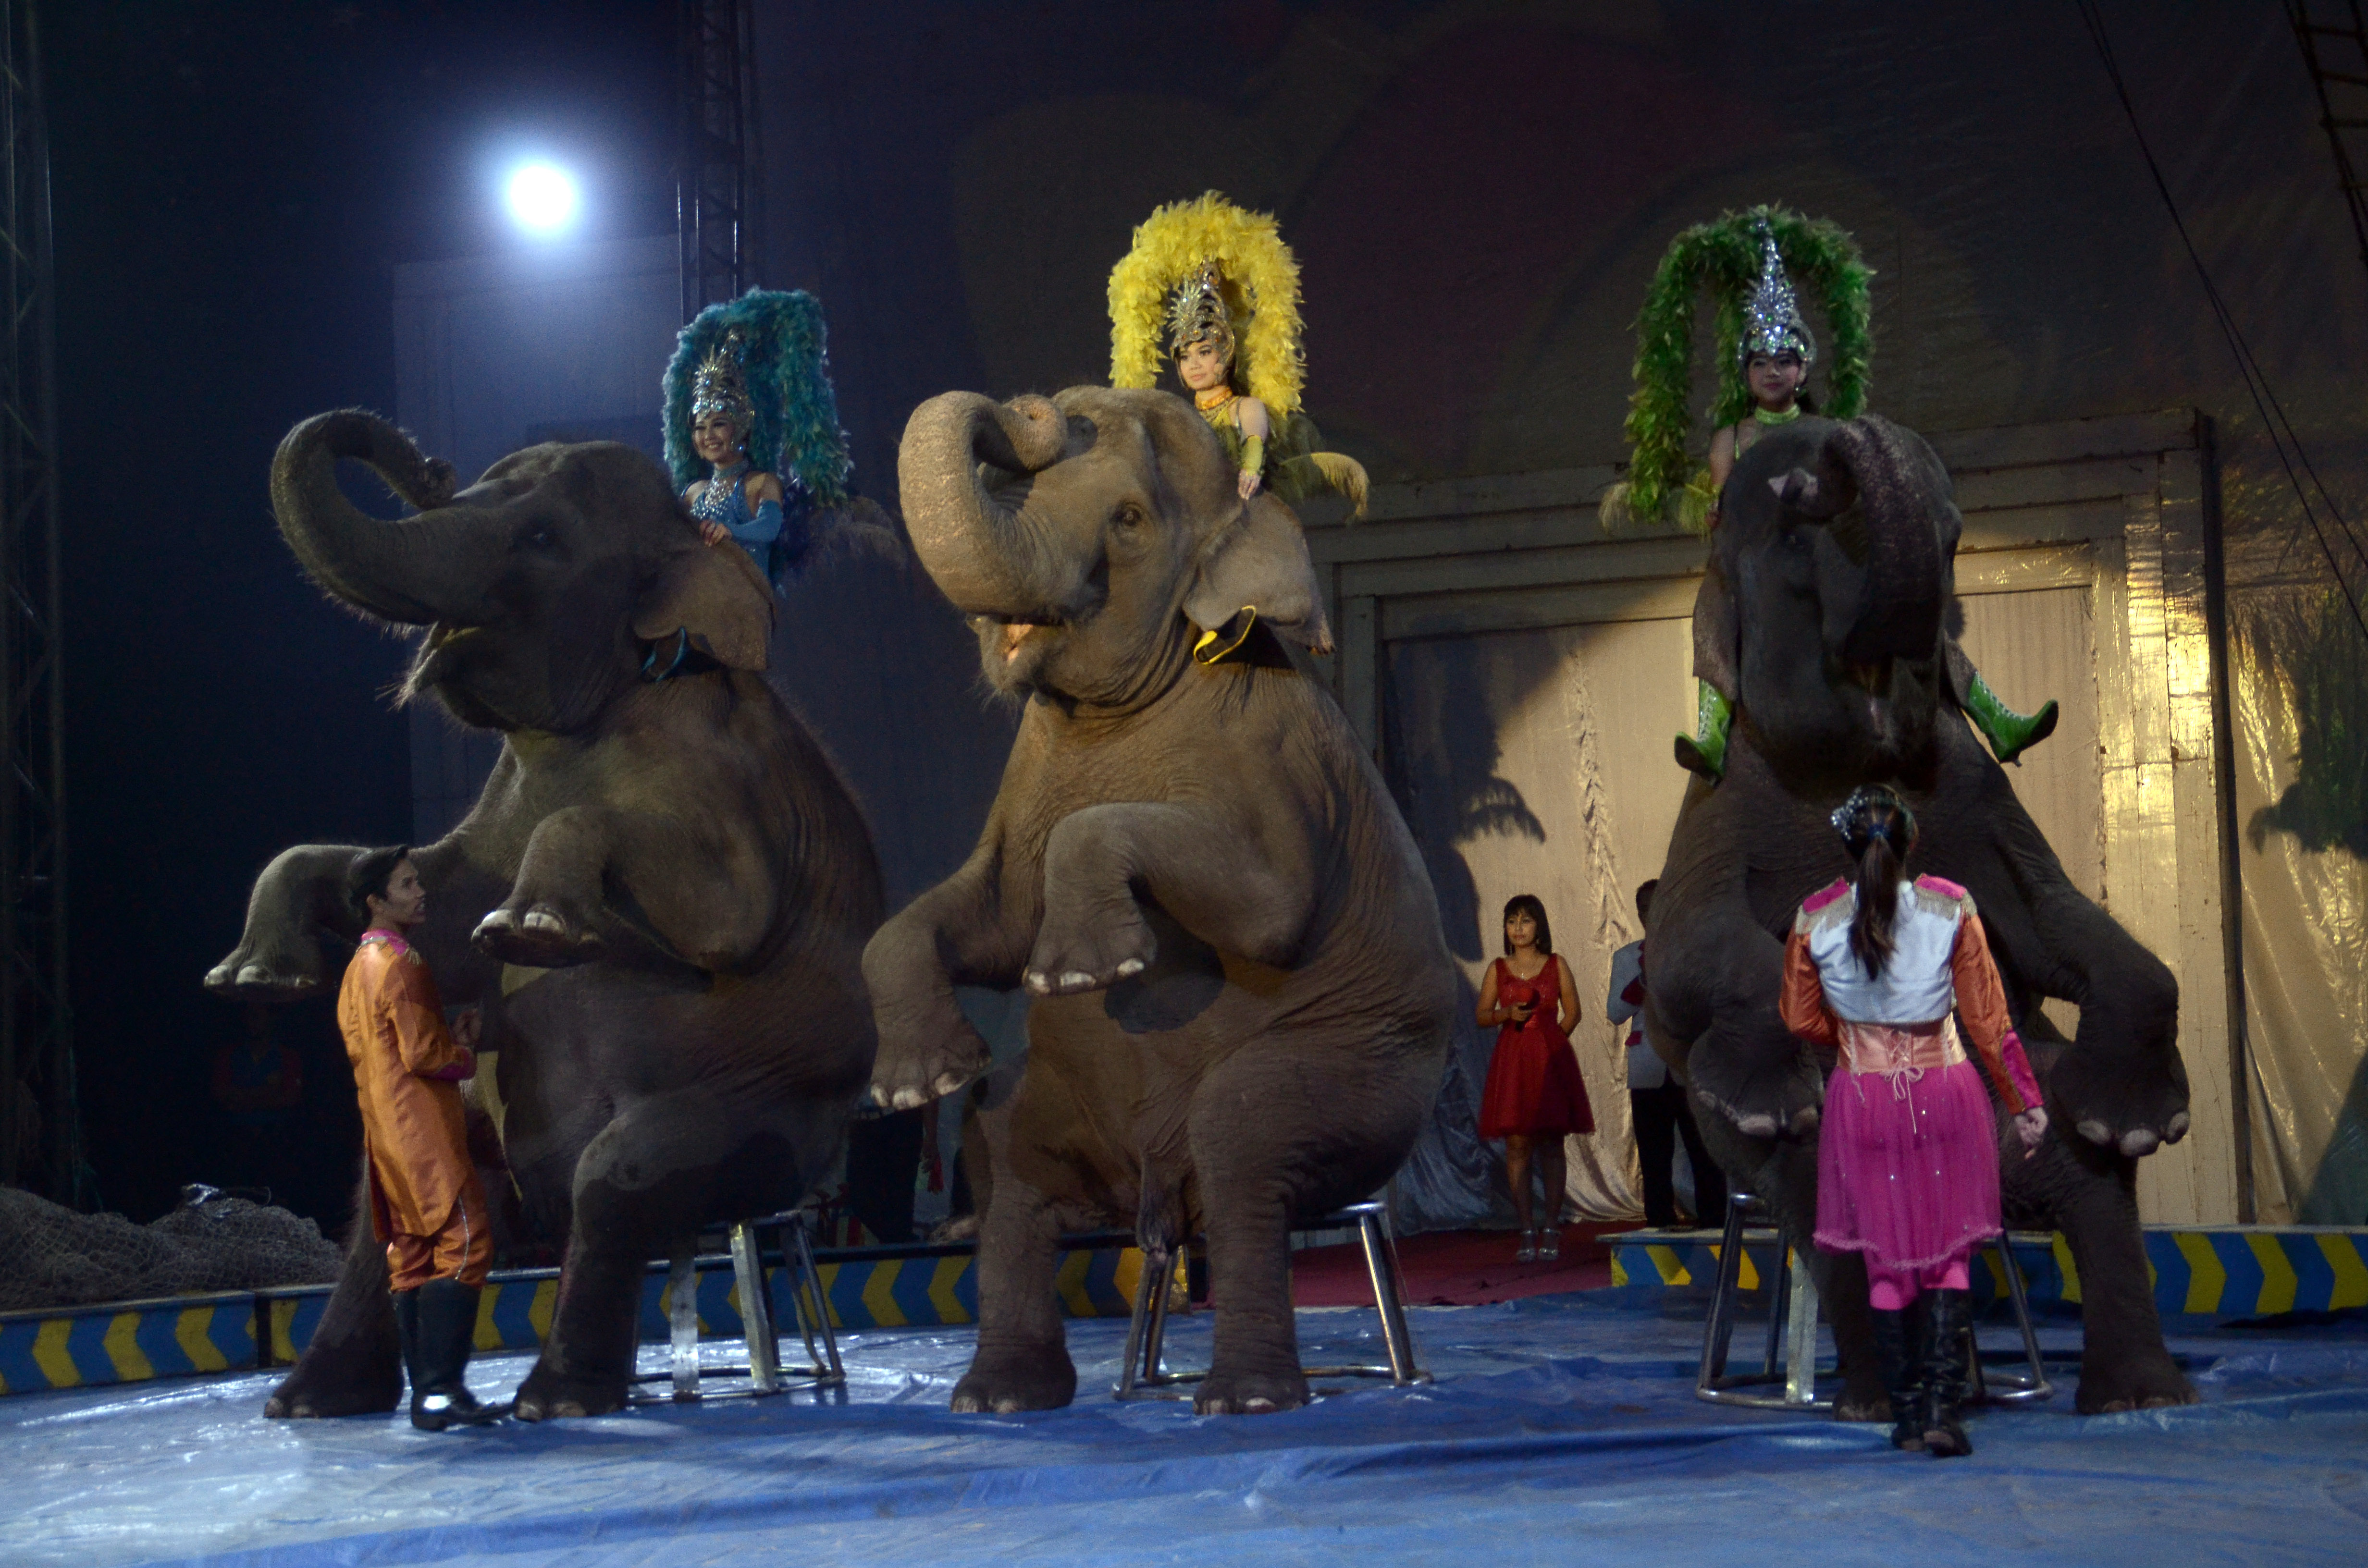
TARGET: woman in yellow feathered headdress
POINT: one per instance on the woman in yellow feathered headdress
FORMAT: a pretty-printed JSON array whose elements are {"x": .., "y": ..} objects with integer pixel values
[{"x": 1221, "y": 288}]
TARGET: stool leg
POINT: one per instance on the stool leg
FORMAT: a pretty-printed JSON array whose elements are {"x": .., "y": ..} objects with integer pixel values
[
  {"x": 2038, "y": 1387},
  {"x": 1141, "y": 1361},
  {"x": 756, "y": 1310},
  {"x": 682, "y": 1319},
  {"x": 1381, "y": 1264},
  {"x": 1801, "y": 1341},
  {"x": 1718, "y": 1329},
  {"x": 1780, "y": 1292},
  {"x": 809, "y": 1286}
]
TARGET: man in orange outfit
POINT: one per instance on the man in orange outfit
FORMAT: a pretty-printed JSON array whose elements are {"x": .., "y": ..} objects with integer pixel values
[{"x": 427, "y": 1204}]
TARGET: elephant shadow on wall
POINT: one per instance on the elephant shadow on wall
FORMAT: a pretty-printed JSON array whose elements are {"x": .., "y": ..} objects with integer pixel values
[{"x": 1441, "y": 751}]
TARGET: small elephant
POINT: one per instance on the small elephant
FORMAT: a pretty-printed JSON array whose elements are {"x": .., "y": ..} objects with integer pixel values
[
  {"x": 1243, "y": 998},
  {"x": 668, "y": 885},
  {"x": 1837, "y": 558}
]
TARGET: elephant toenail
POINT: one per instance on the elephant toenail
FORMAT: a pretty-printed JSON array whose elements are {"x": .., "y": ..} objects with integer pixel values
[
  {"x": 1075, "y": 979},
  {"x": 1129, "y": 966},
  {"x": 1036, "y": 981},
  {"x": 1259, "y": 1405},
  {"x": 2139, "y": 1141},
  {"x": 2175, "y": 1129},
  {"x": 905, "y": 1099},
  {"x": 947, "y": 1083},
  {"x": 2095, "y": 1132},
  {"x": 543, "y": 920},
  {"x": 252, "y": 975}
]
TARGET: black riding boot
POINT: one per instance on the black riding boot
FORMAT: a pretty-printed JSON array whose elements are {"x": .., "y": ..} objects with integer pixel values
[
  {"x": 1899, "y": 1351},
  {"x": 406, "y": 1329},
  {"x": 1948, "y": 1326},
  {"x": 445, "y": 1314}
]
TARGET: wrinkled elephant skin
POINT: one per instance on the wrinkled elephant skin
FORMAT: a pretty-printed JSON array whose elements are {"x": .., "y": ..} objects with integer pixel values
[
  {"x": 1837, "y": 552},
  {"x": 660, "y": 900},
  {"x": 1244, "y": 996}
]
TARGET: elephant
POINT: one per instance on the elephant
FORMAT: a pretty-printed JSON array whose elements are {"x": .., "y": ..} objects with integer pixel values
[
  {"x": 1240, "y": 993},
  {"x": 660, "y": 900},
  {"x": 1832, "y": 585}
]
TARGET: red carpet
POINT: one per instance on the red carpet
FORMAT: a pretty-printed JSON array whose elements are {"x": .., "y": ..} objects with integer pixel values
[{"x": 1457, "y": 1268}]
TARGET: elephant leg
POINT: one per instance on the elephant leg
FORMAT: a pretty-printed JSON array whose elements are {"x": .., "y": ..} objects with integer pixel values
[
  {"x": 1220, "y": 883},
  {"x": 354, "y": 1364},
  {"x": 964, "y": 931},
  {"x": 1022, "y": 1361},
  {"x": 298, "y": 895},
  {"x": 2092, "y": 1196},
  {"x": 1784, "y": 1174},
  {"x": 643, "y": 1185}
]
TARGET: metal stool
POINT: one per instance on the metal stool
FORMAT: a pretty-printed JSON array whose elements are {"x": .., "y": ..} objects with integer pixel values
[
  {"x": 1792, "y": 1321},
  {"x": 764, "y": 1371},
  {"x": 1142, "y": 1376}
]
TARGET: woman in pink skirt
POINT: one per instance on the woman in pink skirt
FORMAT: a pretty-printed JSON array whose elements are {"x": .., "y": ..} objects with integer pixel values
[{"x": 1907, "y": 1162}]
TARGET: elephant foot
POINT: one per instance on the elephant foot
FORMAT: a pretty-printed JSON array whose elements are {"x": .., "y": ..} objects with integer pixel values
[
  {"x": 549, "y": 1394},
  {"x": 2150, "y": 1382},
  {"x": 1776, "y": 1100},
  {"x": 538, "y": 937},
  {"x": 1249, "y": 1393},
  {"x": 2129, "y": 1101},
  {"x": 1854, "y": 1405},
  {"x": 247, "y": 976},
  {"x": 347, "y": 1385},
  {"x": 997, "y": 1384},
  {"x": 1072, "y": 956},
  {"x": 925, "y": 1058}
]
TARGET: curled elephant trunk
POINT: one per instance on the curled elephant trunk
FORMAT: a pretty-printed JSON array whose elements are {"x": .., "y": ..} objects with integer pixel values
[
  {"x": 403, "y": 571},
  {"x": 1887, "y": 472},
  {"x": 986, "y": 557}
]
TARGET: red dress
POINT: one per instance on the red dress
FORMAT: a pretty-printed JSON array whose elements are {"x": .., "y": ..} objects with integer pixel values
[{"x": 1533, "y": 1083}]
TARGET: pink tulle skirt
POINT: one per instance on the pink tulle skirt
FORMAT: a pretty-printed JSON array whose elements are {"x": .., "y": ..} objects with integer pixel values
[{"x": 1907, "y": 1165}]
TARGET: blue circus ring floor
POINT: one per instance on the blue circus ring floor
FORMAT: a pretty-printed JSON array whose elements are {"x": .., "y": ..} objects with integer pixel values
[{"x": 1559, "y": 1429}]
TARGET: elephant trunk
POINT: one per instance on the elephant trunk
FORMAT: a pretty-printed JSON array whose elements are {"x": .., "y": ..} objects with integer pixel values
[
  {"x": 985, "y": 558},
  {"x": 1905, "y": 589},
  {"x": 403, "y": 572}
]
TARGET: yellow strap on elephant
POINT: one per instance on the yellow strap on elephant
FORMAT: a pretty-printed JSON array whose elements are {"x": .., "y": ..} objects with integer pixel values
[{"x": 1213, "y": 646}]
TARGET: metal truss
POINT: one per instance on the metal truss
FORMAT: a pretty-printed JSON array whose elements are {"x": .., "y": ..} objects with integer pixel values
[
  {"x": 40, "y": 1124},
  {"x": 2334, "y": 39},
  {"x": 711, "y": 156}
]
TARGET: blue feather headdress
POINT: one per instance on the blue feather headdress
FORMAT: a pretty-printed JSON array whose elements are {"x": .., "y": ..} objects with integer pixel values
[{"x": 784, "y": 365}]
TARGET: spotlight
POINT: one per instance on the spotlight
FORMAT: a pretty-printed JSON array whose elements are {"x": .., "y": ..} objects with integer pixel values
[{"x": 542, "y": 199}]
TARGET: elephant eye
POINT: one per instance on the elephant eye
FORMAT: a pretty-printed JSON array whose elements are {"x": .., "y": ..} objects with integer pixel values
[
  {"x": 1129, "y": 516},
  {"x": 538, "y": 534}
]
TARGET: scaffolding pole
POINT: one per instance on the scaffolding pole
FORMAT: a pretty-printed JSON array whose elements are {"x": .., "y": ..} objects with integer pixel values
[
  {"x": 40, "y": 1124},
  {"x": 712, "y": 153}
]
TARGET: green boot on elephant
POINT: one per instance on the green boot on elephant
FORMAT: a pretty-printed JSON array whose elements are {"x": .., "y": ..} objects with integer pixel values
[
  {"x": 1704, "y": 751},
  {"x": 2009, "y": 732}
]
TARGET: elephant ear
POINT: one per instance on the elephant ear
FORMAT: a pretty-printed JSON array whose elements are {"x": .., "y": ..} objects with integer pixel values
[
  {"x": 714, "y": 596},
  {"x": 1259, "y": 563}
]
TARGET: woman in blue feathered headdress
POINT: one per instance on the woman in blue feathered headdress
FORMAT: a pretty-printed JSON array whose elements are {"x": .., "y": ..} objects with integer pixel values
[{"x": 749, "y": 406}]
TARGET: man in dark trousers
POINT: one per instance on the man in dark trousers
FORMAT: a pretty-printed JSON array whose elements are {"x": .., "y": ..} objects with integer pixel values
[
  {"x": 1658, "y": 1101},
  {"x": 426, "y": 1202}
]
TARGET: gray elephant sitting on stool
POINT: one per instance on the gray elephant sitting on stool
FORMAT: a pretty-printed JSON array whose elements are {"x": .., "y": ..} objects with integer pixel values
[
  {"x": 1245, "y": 994},
  {"x": 1838, "y": 545},
  {"x": 669, "y": 886}
]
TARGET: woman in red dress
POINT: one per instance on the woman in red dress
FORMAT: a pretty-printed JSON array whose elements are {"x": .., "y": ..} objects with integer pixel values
[{"x": 1534, "y": 1097}]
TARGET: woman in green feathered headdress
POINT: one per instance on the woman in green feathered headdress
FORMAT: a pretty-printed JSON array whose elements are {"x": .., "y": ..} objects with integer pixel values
[
  {"x": 1765, "y": 351},
  {"x": 752, "y": 423}
]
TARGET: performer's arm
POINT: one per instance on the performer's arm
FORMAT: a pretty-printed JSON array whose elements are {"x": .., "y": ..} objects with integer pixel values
[
  {"x": 1485, "y": 1015},
  {"x": 1802, "y": 1003},
  {"x": 1567, "y": 1013},
  {"x": 1981, "y": 1001},
  {"x": 426, "y": 1046},
  {"x": 1256, "y": 426}
]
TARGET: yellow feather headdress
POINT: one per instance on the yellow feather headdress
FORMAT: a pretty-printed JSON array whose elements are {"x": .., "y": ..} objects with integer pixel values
[{"x": 1255, "y": 274}]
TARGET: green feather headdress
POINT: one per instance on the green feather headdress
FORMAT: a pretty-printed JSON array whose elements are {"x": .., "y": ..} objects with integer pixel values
[
  {"x": 785, "y": 367},
  {"x": 1724, "y": 257}
]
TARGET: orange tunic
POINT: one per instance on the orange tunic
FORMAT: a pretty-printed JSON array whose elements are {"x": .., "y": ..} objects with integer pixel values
[{"x": 406, "y": 1072}]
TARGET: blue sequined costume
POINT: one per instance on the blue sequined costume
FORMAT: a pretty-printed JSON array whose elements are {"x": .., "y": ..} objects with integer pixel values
[{"x": 725, "y": 501}]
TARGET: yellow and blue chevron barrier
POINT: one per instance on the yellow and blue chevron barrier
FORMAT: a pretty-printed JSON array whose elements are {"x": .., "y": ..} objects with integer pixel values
[
  {"x": 2237, "y": 1272},
  {"x": 239, "y": 1331}
]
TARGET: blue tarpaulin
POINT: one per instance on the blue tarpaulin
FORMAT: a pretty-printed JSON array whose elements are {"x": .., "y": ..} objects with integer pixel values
[{"x": 1559, "y": 1429}]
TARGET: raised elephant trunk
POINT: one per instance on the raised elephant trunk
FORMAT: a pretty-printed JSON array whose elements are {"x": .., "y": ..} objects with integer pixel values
[
  {"x": 403, "y": 572},
  {"x": 987, "y": 559},
  {"x": 1905, "y": 591}
]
